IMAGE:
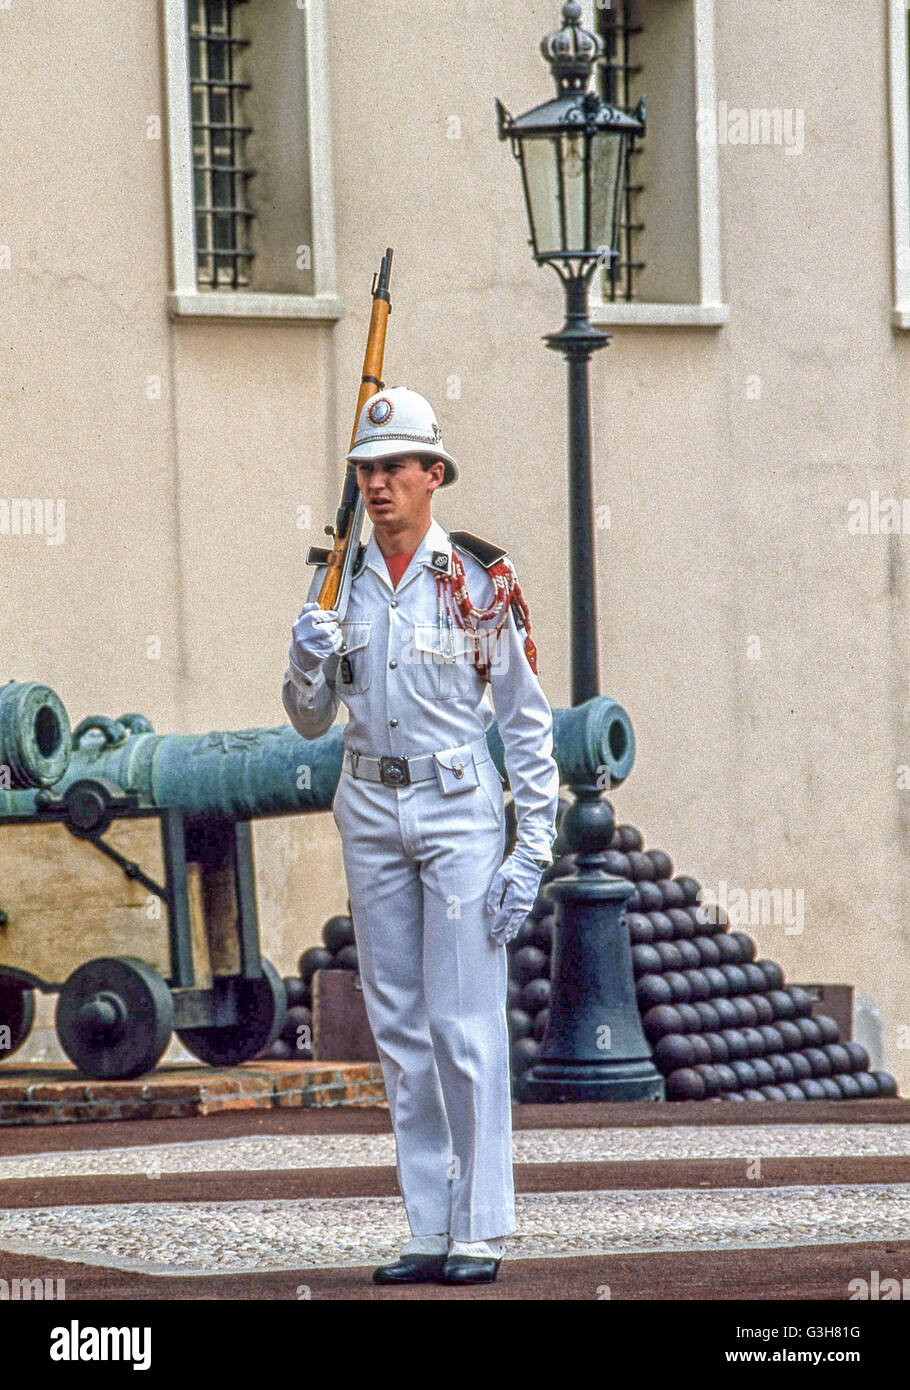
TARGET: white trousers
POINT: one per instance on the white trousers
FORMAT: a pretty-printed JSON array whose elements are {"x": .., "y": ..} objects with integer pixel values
[{"x": 419, "y": 864}]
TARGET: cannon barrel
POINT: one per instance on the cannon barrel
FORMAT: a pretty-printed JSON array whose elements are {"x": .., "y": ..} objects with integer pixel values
[
  {"x": 252, "y": 773},
  {"x": 35, "y": 740}
]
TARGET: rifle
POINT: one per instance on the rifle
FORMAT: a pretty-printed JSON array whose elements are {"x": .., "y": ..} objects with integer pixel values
[{"x": 343, "y": 556}]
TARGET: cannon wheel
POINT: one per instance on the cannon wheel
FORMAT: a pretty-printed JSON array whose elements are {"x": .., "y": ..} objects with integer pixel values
[
  {"x": 115, "y": 1017},
  {"x": 17, "y": 1013},
  {"x": 262, "y": 1008}
]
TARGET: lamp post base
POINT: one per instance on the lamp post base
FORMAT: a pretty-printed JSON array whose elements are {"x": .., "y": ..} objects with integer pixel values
[{"x": 546, "y": 1082}]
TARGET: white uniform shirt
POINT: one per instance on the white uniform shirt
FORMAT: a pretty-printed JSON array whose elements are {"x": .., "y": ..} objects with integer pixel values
[{"x": 411, "y": 686}]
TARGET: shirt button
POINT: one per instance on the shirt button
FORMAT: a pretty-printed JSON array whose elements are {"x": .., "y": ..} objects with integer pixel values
[
  {"x": 392, "y": 665},
  {"x": 394, "y": 603},
  {"x": 393, "y": 723}
]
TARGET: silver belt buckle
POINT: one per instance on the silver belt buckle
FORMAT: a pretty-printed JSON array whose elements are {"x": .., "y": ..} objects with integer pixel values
[{"x": 394, "y": 772}]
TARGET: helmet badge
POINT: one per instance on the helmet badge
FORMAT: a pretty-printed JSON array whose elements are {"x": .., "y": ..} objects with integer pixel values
[{"x": 380, "y": 411}]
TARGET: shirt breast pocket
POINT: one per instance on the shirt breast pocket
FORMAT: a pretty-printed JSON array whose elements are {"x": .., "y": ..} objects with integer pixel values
[
  {"x": 352, "y": 672},
  {"x": 443, "y": 665}
]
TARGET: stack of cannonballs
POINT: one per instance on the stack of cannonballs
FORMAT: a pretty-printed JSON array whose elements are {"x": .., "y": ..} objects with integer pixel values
[
  {"x": 338, "y": 952},
  {"x": 722, "y": 1025}
]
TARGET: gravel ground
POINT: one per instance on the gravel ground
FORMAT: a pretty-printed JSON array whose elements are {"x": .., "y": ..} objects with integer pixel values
[
  {"x": 247, "y": 1154},
  {"x": 238, "y": 1237}
]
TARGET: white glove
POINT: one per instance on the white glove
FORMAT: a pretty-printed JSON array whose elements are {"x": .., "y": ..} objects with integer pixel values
[
  {"x": 513, "y": 893},
  {"x": 315, "y": 636}
]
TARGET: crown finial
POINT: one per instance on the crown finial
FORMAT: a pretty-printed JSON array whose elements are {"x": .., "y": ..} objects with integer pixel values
[{"x": 572, "y": 50}]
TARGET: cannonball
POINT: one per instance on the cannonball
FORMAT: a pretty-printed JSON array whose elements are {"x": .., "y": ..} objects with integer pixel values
[
  {"x": 809, "y": 1031},
  {"x": 735, "y": 977},
  {"x": 669, "y": 955},
  {"x": 771, "y": 1037},
  {"x": 764, "y": 1071},
  {"x": 708, "y": 950},
  {"x": 781, "y": 1003},
  {"x": 528, "y": 964},
  {"x": 663, "y": 864},
  {"x": 664, "y": 929},
  {"x": 754, "y": 1041},
  {"x": 520, "y": 1024},
  {"x": 830, "y": 1030},
  {"x": 674, "y": 1052},
  {"x": 812, "y": 1089},
  {"x": 698, "y": 985},
  {"x": 702, "y": 1050},
  {"x": 683, "y": 926},
  {"x": 542, "y": 909},
  {"x": 867, "y": 1084},
  {"x": 752, "y": 1093},
  {"x": 641, "y": 867},
  {"x": 763, "y": 1010},
  {"x": 629, "y": 838},
  {"x": 541, "y": 1020},
  {"x": 848, "y": 1086},
  {"x": 729, "y": 947},
  {"x": 672, "y": 893},
  {"x": 746, "y": 948},
  {"x": 709, "y": 917},
  {"x": 709, "y": 1018},
  {"x": 297, "y": 992},
  {"x": 772, "y": 972},
  {"x": 711, "y": 1079},
  {"x": 337, "y": 933},
  {"x": 690, "y": 1017},
  {"x": 783, "y": 1067},
  {"x": 727, "y": 1076},
  {"x": 790, "y": 1034},
  {"x": 756, "y": 977},
  {"x": 685, "y": 1084},
  {"x": 819, "y": 1061},
  {"x": 652, "y": 990},
  {"x": 682, "y": 990},
  {"x": 280, "y": 1051},
  {"x": 616, "y": 863},
  {"x": 633, "y": 902},
  {"x": 524, "y": 936},
  {"x": 650, "y": 896},
  {"x": 747, "y": 1014},
  {"x": 830, "y": 1087},
  {"x": 542, "y": 935},
  {"x": 802, "y": 1000},
  {"x": 720, "y": 985},
  {"x": 859, "y": 1057},
  {"x": 791, "y": 1090},
  {"x": 717, "y": 1046},
  {"x": 535, "y": 995},
  {"x": 734, "y": 1095},
  {"x": 726, "y": 1010},
  {"x": 736, "y": 1044},
  {"x": 660, "y": 1021},
  {"x": 802, "y": 1070},
  {"x": 690, "y": 886},
  {"x": 646, "y": 960},
  {"x": 345, "y": 959},
  {"x": 691, "y": 958},
  {"x": 523, "y": 1053},
  {"x": 313, "y": 959},
  {"x": 745, "y": 1073},
  {"x": 641, "y": 928},
  {"x": 773, "y": 1093},
  {"x": 840, "y": 1057}
]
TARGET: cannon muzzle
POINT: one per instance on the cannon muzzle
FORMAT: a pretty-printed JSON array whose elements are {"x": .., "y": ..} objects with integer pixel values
[{"x": 35, "y": 740}]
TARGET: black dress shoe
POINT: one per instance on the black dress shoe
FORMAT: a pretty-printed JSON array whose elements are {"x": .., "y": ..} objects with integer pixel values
[
  {"x": 469, "y": 1269},
  {"x": 412, "y": 1269}
]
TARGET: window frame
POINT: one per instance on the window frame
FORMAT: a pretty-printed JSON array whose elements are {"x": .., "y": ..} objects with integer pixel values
[
  {"x": 185, "y": 299},
  {"x": 709, "y": 311}
]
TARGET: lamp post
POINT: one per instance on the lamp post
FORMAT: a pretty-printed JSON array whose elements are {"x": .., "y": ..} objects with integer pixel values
[{"x": 572, "y": 151}]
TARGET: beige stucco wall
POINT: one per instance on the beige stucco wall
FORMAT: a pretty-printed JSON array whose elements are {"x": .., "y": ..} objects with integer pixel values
[{"x": 728, "y": 513}]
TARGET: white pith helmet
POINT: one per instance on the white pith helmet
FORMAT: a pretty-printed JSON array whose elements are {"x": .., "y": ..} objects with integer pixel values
[{"x": 400, "y": 421}]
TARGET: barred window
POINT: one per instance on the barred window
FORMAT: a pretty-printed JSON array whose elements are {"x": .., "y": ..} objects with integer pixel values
[
  {"x": 621, "y": 86},
  {"x": 221, "y": 175}
]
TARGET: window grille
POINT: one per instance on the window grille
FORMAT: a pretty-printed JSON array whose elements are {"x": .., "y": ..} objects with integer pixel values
[
  {"x": 618, "y": 27},
  {"x": 220, "y": 174}
]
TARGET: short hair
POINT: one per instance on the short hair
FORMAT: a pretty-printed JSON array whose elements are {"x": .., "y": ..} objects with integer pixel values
[{"x": 426, "y": 462}]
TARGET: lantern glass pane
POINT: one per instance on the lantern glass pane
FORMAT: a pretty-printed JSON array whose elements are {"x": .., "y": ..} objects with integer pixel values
[
  {"x": 541, "y": 170},
  {"x": 607, "y": 162},
  {"x": 574, "y": 181}
]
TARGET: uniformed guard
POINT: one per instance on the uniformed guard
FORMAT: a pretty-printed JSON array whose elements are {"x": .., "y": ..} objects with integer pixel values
[{"x": 431, "y": 619}]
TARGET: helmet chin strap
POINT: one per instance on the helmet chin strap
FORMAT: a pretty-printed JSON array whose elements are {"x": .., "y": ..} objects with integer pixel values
[{"x": 484, "y": 624}]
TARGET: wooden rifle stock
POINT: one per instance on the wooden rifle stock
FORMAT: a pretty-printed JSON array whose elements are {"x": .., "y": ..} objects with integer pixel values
[{"x": 349, "y": 518}]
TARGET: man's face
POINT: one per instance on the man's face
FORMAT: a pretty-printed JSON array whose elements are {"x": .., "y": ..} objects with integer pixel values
[{"x": 397, "y": 490}]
